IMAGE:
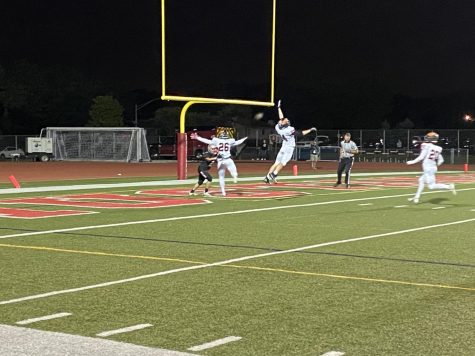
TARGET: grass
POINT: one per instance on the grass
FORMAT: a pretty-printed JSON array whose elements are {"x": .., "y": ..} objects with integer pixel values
[{"x": 410, "y": 293}]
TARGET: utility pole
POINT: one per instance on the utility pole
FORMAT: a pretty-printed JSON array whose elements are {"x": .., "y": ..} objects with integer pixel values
[{"x": 141, "y": 106}]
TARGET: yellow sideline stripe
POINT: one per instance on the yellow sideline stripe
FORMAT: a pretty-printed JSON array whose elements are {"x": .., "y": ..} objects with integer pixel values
[
  {"x": 377, "y": 280},
  {"x": 352, "y": 277},
  {"x": 96, "y": 253}
]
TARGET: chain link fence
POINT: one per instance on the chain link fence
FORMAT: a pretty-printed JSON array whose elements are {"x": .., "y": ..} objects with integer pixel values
[{"x": 375, "y": 145}]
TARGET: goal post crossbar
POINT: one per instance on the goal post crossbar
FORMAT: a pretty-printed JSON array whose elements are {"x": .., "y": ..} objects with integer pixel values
[{"x": 217, "y": 100}]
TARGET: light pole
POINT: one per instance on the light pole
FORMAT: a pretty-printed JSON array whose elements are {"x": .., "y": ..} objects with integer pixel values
[{"x": 141, "y": 106}]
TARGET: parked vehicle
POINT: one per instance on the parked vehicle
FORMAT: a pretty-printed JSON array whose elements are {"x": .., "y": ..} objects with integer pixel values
[
  {"x": 39, "y": 148},
  {"x": 11, "y": 152},
  {"x": 167, "y": 147}
]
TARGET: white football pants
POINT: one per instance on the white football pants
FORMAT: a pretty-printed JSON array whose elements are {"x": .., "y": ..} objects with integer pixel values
[
  {"x": 223, "y": 165},
  {"x": 428, "y": 177}
]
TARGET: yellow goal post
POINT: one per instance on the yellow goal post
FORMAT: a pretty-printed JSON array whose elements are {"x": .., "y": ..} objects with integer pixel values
[{"x": 235, "y": 101}]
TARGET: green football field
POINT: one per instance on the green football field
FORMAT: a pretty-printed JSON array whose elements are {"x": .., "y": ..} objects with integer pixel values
[{"x": 297, "y": 268}]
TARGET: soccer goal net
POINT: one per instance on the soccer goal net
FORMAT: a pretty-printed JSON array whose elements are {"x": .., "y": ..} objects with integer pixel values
[{"x": 127, "y": 144}]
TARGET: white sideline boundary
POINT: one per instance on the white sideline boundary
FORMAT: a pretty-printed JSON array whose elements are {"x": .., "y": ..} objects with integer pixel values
[
  {"x": 191, "y": 181},
  {"x": 225, "y": 262}
]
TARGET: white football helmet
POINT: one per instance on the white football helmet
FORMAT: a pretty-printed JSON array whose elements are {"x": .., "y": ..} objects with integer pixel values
[
  {"x": 213, "y": 149},
  {"x": 431, "y": 137}
]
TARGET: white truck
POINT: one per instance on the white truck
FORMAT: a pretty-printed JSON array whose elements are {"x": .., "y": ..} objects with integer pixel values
[{"x": 39, "y": 148}]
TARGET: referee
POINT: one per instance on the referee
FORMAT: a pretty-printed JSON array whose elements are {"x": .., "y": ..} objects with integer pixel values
[{"x": 348, "y": 149}]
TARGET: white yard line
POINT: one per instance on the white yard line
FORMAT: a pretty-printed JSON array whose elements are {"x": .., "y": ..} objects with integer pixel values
[
  {"x": 333, "y": 353},
  {"x": 230, "y": 261},
  {"x": 365, "y": 204},
  {"x": 178, "y": 218},
  {"x": 439, "y": 207},
  {"x": 124, "y": 330},
  {"x": 215, "y": 343},
  {"x": 401, "y": 206},
  {"x": 42, "y": 318}
]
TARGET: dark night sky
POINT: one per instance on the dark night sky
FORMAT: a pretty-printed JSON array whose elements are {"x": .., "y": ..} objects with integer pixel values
[{"x": 416, "y": 47}]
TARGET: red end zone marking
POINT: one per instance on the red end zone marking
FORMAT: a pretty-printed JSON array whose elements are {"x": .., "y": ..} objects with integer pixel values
[
  {"x": 77, "y": 201},
  {"x": 38, "y": 214}
]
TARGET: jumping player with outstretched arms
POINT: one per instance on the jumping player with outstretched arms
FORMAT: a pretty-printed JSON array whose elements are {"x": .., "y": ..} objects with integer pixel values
[
  {"x": 286, "y": 152},
  {"x": 431, "y": 157},
  {"x": 224, "y": 144}
]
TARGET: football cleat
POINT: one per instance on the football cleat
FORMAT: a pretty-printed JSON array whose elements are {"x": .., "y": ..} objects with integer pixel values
[
  {"x": 452, "y": 189},
  {"x": 266, "y": 180},
  {"x": 191, "y": 194},
  {"x": 414, "y": 200},
  {"x": 206, "y": 194}
]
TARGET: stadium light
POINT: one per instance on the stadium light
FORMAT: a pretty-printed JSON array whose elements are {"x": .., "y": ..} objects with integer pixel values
[
  {"x": 141, "y": 106},
  {"x": 468, "y": 118}
]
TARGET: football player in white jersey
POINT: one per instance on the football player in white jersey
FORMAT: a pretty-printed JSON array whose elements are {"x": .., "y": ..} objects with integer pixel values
[
  {"x": 224, "y": 144},
  {"x": 431, "y": 157},
  {"x": 286, "y": 152}
]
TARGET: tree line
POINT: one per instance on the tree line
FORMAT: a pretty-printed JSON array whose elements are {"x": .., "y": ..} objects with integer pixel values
[{"x": 34, "y": 96}]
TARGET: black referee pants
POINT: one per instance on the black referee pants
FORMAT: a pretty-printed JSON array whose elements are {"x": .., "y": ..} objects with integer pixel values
[{"x": 345, "y": 165}]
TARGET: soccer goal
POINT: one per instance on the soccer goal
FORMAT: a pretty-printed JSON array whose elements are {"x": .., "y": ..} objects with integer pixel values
[{"x": 126, "y": 144}]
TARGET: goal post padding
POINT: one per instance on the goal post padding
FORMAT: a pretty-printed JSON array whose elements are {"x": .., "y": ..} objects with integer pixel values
[{"x": 126, "y": 144}]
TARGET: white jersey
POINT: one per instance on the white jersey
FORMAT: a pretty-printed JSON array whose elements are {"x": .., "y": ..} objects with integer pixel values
[
  {"x": 224, "y": 144},
  {"x": 431, "y": 155},
  {"x": 287, "y": 134}
]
